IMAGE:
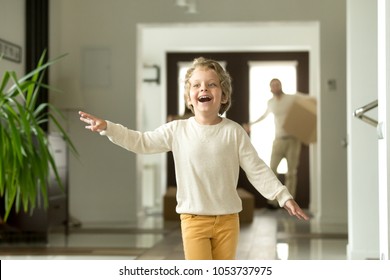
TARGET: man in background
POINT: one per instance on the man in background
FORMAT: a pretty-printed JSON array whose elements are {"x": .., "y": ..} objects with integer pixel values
[{"x": 284, "y": 145}]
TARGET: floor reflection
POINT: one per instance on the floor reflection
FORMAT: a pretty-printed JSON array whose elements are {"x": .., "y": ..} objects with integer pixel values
[{"x": 272, "y": 235}]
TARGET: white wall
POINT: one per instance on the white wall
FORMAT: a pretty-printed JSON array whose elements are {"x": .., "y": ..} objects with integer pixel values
[
  {"x": 103, "y": 180},
  {"x": 363, "y": 239},
  {"x": 12, "y": 29}
]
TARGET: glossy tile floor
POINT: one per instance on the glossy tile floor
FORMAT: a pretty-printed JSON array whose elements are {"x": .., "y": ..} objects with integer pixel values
[{"x": 273, "y": 234}]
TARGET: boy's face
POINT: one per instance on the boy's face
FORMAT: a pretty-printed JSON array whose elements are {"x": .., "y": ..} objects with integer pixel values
[{"x": 205, "y": 92}]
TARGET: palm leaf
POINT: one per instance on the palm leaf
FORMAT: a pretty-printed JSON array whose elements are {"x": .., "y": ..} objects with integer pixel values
[{"x": 26, "y": 161}]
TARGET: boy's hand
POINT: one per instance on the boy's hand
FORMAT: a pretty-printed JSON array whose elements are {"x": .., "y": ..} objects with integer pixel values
[
  {"x": 94, "y": 123},
  {"x": 294, "y": 210}
]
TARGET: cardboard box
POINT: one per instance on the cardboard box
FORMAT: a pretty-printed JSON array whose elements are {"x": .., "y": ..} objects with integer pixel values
[
  {"x": 169, "y": 205},
  {"x": 248, "y": 206},
  {"x": 301, "y": 120}
]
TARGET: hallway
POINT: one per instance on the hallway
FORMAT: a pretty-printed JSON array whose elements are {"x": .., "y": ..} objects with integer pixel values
[{"x": 272, "y": 235}]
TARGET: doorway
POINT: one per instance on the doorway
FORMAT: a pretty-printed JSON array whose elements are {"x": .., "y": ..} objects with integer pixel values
[
  {"x": 260, "y": 74},
  {"x": 238, "y": 65}
]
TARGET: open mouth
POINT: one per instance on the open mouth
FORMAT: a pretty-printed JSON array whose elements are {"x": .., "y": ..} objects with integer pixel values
[{"x": 204, "y": 98}]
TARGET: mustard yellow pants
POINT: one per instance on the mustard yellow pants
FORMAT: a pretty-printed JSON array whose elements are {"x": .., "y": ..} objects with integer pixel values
[{"x": 210, "y": 237}]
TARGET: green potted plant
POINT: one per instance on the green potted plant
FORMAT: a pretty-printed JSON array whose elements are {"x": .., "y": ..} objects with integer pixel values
[{"x": 26, "y": 161}]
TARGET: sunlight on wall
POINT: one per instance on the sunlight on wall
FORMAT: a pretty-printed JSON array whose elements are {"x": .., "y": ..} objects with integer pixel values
[{"x": 183, "y": 67}]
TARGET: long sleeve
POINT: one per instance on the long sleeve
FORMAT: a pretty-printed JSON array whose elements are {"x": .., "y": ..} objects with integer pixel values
[
  {"x": 207, "y": 163},
  {"x": 259, "y": 174},
  {"x": 156, "y": 141}
]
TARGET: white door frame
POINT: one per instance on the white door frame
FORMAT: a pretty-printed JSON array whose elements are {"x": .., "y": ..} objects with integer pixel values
[{"x": 383, "y": 126}]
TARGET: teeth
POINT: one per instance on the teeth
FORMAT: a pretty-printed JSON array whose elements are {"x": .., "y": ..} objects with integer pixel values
[{"x": 204, "y": 98}]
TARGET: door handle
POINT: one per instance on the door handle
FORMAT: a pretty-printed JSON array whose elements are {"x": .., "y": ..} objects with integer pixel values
[{"x": 359, "y": 113}]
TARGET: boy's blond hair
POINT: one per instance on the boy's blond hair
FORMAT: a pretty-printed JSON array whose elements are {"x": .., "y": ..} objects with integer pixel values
[{"x": 224, "y": 78}]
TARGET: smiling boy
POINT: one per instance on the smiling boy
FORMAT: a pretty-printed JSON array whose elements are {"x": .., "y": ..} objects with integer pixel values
[{"x": 208, "y": 151}]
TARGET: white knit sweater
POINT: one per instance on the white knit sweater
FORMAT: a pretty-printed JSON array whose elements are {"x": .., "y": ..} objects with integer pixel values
[{"x": 207, "y": 163}]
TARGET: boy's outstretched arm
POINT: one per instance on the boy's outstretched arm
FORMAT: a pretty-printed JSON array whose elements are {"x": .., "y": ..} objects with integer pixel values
[
  {"x": 94, "y": 123},
  {"x": 294, "y": 210}
]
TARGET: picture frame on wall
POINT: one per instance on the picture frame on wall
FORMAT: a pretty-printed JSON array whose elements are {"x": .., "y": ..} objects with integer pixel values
[{"x": 10, "y": 51}]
